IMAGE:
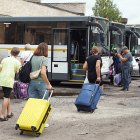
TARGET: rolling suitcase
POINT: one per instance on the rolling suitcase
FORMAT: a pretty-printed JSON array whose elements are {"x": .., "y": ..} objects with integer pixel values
[
  {"x": 88, "y": 98},
  {"x": 34, "y": 116}
]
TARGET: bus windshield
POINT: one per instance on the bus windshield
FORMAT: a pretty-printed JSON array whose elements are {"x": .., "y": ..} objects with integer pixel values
[
  {"x": 99, "y": 35},
  {"x": 116, "y": 35}
]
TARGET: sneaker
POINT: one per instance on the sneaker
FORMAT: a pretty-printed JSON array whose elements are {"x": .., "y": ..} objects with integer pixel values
[
  {"x": 122, "y": 89},
  {"x": 126, "y": 90},
  {"x": 47, "y": 125}
]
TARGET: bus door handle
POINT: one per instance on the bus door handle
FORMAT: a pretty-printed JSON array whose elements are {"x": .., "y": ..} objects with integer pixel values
[{"x": 55, "y": 65}]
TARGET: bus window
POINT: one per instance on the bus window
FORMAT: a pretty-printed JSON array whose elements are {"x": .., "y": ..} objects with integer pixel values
[
  {"x": 60, "y": 37},
  {"x": 36, "y": 33},
  {"x": 10, "y": 33},
  {"x": 115, "y": 40},
  {"x": 60, "y": 44},
  {"x": 97, "y": 39}
]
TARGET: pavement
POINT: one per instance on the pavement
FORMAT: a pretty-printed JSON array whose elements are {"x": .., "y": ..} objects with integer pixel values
[{"x": 117, "y": 117}]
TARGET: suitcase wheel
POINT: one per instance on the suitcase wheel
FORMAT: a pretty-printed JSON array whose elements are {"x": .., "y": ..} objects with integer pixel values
[
  {"x": 92, "y": 111},
  {"x": 37, "y": 134},
  {"x": 33, "y": 129},
  {"x": 78, "y": 110},
  {"x": 21, "y": 132},
  {"x": 17, "y": 126}
]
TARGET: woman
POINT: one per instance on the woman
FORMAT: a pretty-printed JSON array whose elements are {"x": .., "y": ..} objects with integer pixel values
[
  {"x": 10, "y": 66},
  {"x": 38, "y": 86},
  {"x": 93, "y": 66}
]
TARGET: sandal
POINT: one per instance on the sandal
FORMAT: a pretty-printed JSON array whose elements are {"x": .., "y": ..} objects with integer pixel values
[
  {"x": 10, "y": 116},
  {"x": 3, "y": 119}
]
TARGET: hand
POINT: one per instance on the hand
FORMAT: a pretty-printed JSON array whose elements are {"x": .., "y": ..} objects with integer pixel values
[
  {"x": 49, "y": 87},
  {"x": 118, "y": 55},
  {"x": 98, "y": 79}
]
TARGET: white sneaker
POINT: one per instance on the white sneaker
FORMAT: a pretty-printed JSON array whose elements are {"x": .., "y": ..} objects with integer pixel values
[{"x": 47, "y": 125}]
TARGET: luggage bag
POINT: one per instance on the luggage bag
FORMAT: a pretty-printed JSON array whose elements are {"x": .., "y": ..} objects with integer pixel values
[
  {"x": 34, "y": 116},
  {"x": 20, "y": 90},
  {"x": 88, "y": 98}
]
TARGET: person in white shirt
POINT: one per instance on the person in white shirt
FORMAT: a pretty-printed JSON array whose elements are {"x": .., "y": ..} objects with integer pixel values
[{"x": 26, "y": 55}]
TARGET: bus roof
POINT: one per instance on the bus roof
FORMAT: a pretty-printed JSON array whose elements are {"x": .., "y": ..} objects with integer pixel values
[
  {"x": 64, "y": 18},
  {"x": 25, "y": 19},
  {"x": 117, "y": 23}
]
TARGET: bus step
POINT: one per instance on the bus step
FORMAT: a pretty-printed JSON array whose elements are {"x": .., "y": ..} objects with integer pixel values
[
  {"x": 78, "y": 71},
  {"x": 76, "y": 66},
  {"x": 76, "y": 81},
  {"x": 77, "y": 77}
]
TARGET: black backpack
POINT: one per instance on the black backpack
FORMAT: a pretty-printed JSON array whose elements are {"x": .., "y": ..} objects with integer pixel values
[{"x": 24, "y": 73}]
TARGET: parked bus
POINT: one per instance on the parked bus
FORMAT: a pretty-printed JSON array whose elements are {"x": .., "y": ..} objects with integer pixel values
[
  {"x": 120, "y": 35},
  {"x": 69, "y": 40},
  {"x": 132, "y": 41}
]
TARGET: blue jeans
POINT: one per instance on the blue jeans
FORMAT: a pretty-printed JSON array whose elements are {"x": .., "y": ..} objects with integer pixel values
[
  {"x": 126, "y": 77},
  {"x": 37, "y": 90}
]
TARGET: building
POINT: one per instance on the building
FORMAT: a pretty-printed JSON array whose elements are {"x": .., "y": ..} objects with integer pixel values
[{"x": 42, "y": 8}]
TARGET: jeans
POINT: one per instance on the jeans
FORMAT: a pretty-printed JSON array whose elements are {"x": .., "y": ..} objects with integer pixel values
[
  {"x": 126, "y": 77},
  {"x": 37, "y": 90}
]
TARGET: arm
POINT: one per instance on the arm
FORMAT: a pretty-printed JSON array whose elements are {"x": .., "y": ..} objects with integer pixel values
[
  {"x": 18, "y": 66},
  {"x": 44, "y": 77},
  {"x": 122, "y": 59},
  {"x": 22, "y": 61},
  {"x": 85, "y": 66},
  {"x": 98, "y": 70}
]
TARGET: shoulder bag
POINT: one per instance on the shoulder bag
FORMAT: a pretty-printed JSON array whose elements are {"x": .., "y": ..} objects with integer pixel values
[{"x": 35, "y": 74}]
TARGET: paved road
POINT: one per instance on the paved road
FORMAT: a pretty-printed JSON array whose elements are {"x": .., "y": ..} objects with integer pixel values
[{"x": 117, "y": 118}]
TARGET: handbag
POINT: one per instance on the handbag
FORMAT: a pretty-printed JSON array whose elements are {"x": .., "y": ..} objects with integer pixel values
[{"x": 35, "y": 74}]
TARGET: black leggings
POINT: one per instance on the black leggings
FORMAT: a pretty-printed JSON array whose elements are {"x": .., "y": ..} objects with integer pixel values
[{"x": 7, "y": 91}]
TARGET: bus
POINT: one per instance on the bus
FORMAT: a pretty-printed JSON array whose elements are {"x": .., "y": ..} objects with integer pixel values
[
  {"x": 69, "y": 41},
  {"x": 132, "y": 41},
  {"x": 121, "y": 34}
]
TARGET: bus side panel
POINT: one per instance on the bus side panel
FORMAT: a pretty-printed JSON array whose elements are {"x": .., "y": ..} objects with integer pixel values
[{"x": 60, "y": 71}]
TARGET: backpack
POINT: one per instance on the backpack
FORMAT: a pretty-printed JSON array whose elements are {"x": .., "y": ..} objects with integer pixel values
[{"x": 24, "y": 73}]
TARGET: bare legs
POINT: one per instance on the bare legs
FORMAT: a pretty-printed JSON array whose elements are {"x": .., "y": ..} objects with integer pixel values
[
  {"x": 9, "y": 107},
  {"x": 5, "y": 104}
]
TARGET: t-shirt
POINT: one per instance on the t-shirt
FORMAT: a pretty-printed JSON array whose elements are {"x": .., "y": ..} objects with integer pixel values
[
  {"x": 91, "y": 61},
  {"x": 36, "y": 62},
  {"x": 10, "y": 66},
  {"x": 26, "y": 55},
  {"x": 129, "y": 62}
]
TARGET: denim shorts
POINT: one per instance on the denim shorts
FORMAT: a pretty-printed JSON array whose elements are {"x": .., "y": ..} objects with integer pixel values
[{"x": 37, "y": 90}]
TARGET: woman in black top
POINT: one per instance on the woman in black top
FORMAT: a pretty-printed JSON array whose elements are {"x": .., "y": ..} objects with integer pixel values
[{"x": 93, "y": 66}]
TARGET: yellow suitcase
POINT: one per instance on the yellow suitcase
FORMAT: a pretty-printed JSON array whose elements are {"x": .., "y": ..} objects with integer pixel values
[{"x": 34, "y": 116}]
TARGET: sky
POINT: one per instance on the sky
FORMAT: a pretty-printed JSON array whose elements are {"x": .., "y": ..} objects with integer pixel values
[{"x": 129, "y": 8}]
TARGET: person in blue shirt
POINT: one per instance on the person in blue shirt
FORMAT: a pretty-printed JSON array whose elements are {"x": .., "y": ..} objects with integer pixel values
[{"x": 126, "y": 66}]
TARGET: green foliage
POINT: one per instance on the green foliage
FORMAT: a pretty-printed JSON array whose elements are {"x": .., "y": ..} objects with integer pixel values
[{"x": 107, "y": 9}]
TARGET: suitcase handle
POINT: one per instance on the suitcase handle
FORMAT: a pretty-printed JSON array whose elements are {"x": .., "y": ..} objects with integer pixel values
[{"x": 50, "y": 94}]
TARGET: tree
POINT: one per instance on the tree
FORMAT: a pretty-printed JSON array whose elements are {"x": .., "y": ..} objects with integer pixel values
[{"x": 107, "y": 9}]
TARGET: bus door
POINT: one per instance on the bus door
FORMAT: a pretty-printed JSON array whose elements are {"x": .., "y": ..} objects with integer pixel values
[
  {"x": 78, "y": 52},
  {"x": 59, "y": 64}
]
